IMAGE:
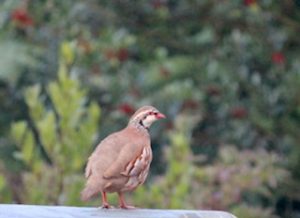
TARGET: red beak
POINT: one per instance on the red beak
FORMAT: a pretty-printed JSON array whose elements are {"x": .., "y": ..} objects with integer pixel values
[{"x": 160, "y": 116}]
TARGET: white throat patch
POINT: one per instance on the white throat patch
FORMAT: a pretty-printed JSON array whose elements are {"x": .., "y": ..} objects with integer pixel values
[{"x": 148, "y": 120}]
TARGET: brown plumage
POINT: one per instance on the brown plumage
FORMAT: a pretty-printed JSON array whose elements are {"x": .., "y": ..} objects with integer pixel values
[{"x": 121, "y": 161}]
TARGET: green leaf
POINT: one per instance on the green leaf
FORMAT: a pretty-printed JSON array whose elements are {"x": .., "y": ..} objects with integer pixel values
[
  {"x": 18, "y": 130},
  {"x": 28, "y": 148},
  {"x": 67, "y": 52},
  {"x": 47, "y": 131},
  {"x": 32, "y": 97}
]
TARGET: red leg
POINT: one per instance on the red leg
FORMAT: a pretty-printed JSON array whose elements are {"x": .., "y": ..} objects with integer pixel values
[
  {"x": 122, "y": 202},
  {"x": 105, "y": 203}
]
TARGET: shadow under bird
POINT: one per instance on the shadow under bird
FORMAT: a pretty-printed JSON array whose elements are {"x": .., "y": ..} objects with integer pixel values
[{"x": 121, "y": 161}]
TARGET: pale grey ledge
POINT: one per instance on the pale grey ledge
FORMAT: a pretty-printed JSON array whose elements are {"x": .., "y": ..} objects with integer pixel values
[{"x": 34, "y": 211}]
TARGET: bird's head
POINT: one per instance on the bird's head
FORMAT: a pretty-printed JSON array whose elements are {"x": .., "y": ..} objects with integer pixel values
[{"x": 145, "y": 116}]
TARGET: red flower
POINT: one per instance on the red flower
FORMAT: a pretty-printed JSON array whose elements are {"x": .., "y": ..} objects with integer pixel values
[
  {"x": 213, "y": 90},
  {"x": 122, "y": 54},
  {"x": 126, "y": 109},
  {"x": 21, "y": 16},
  {"x": 85, "y": 46},
  {"x": 278, "y": 58},
  {"x": 109, "y": 54},
  {"x": 156, "y": 4},
  {"x": 134, "y": 91},
  {"x": 164, "y": 72},
  {"x": 169, "y": 125},
  {"x": 249, "y": 2},
  {"x": 190, "y": 104},
  {"x": 238, "y": 112}
]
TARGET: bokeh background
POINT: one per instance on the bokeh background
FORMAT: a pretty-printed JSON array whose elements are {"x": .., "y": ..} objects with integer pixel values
[{"x": 225, "y": 72}]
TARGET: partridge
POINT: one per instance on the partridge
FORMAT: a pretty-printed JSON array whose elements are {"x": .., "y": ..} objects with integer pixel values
[{"x": 121, "y": 161}]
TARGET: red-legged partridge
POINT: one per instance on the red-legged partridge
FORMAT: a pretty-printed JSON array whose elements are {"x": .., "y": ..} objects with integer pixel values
[{"x": 121, "y": 161}]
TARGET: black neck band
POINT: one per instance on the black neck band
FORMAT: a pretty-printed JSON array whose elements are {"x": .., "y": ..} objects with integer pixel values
[{"x": 141, "y": 123}]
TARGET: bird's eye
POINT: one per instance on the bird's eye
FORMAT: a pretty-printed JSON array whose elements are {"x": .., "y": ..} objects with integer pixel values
[{"x": 152, "y": 113}]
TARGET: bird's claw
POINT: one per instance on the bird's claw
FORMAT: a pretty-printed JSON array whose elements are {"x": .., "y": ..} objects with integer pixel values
[{"x": 106, "y": 206}]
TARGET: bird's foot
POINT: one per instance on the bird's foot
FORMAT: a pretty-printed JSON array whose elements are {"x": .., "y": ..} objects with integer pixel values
[
  {"x": 128, "y": 207},
  {"x": 105, "y": 206}
]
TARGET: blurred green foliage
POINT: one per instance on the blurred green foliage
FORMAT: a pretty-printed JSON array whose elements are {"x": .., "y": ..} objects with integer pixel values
[
  {"x": 66, "y": 125},
  {"x": 229, "y": 69}
]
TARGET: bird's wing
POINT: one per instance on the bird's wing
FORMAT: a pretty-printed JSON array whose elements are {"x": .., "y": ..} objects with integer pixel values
[
  {"x": 88, "y": 169},
  {"x": 128, "y": 154}
]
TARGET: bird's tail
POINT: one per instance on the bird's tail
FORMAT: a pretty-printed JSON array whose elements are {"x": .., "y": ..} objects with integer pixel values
[{"x": 87, "y": 193}]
